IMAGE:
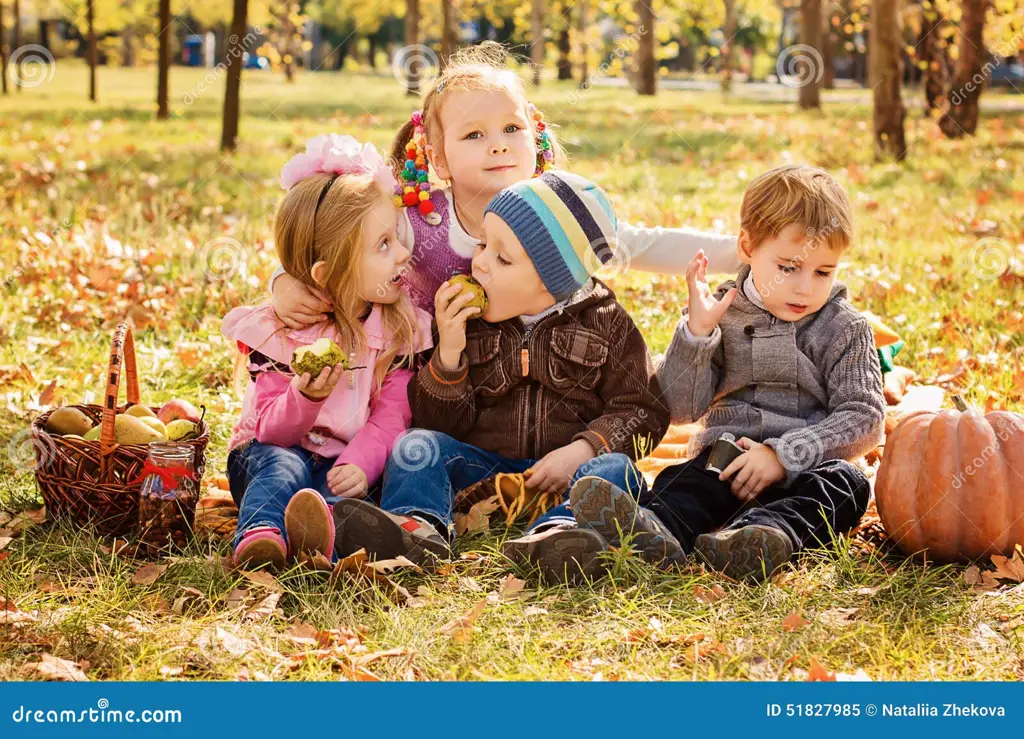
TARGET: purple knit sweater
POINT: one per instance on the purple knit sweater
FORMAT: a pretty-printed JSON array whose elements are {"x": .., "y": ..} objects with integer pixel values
[{"x": 433, "y": 260}]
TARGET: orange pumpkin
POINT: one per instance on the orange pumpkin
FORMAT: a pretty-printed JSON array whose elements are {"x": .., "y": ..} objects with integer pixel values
[{"x": 952, "y": 483}]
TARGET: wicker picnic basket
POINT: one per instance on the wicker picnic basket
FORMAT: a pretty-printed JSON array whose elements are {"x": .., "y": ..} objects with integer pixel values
[{"x": 97, "y": 483}]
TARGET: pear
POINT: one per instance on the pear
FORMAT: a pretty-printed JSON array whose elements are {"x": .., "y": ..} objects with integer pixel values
[
  {"x": 156, "y": 424},
  {"x": 140, "y": 411},
  {"x": 131, "y": 430},
  {"x": 182, "y": 430},
  {"x": 471, "y": 285},
  {"x": 94, "y": 433},
  {"x": 313, "y": 358},
  {"x": 68, "y": 420}
]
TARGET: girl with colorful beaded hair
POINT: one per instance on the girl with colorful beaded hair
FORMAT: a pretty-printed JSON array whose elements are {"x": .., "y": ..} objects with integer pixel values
[{"x": 478, "y": 133}]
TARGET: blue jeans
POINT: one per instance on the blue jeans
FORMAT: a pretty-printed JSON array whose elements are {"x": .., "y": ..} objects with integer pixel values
[
  {"x": 427, "y": 468},
  {"x": 264, "y": 477}
]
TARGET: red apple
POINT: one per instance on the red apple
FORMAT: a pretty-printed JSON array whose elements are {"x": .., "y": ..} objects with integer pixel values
[{"x": 175, "y": 409}]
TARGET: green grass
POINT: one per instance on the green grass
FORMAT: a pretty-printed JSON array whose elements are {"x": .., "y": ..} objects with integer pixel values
[{"x": 107, "y": 213}]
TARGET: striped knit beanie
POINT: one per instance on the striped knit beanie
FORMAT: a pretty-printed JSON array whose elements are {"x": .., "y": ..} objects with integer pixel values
[{"x": 565, "y": 223}]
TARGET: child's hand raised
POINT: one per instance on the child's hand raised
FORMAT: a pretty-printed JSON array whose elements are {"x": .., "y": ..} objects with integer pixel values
[
  {"x": 296, "y": 304},
  {"x": 451, "y": 314},
  {"x": 705, "y": 309},
  {"x": 318, "y": 388}
]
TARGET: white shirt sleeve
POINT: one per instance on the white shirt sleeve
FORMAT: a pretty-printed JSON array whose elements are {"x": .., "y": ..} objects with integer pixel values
[
  {"x": 277, "y": 273},
  {"x": 670, "y": 250}
]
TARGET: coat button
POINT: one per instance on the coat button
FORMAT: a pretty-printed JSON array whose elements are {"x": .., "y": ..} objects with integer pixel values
[{"x": 748, "y": 330}]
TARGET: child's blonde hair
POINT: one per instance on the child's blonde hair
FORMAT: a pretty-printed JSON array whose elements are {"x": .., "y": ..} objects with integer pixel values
[
  {"x": 314, "y": 226},
  {"x": 796, "y": 193},
  {"x": 474, "y": 68}
]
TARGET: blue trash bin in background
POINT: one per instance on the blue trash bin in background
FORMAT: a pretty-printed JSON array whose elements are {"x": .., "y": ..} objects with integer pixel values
[{"x": 192, "y": 53}]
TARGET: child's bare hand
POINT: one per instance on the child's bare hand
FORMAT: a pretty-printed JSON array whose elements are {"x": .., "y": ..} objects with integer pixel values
[
  {"x": 705, "y": 309},
  {"x": 318, "y": 388},
  {"x": 451, "y": 314},
  {"x": 553, "y": 472},
  {"x": 296, "y": 304},
  {"x": 753, "y": 470},
  {"x": 347, "y": 481}
]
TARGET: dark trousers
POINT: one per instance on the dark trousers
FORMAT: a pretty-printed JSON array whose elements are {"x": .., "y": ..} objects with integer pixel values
[{"x": 828, "y": 499}]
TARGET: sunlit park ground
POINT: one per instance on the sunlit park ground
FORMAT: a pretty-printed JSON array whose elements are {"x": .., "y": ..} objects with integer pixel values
[{"x": 107, "y": 214}]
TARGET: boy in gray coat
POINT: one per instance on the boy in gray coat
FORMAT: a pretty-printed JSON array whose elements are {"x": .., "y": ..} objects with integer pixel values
[{"x": 780, "y": 360}]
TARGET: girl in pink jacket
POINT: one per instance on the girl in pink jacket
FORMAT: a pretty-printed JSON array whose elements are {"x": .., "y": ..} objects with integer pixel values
[{"x": 305, "y": 442}]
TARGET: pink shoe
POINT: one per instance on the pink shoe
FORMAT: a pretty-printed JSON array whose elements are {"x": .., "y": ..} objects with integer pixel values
[
  {"x": 308, "y": 524},
  {"x": 260, "y": 547}
]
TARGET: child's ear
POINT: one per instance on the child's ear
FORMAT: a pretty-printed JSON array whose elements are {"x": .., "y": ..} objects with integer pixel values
[
  {"x": 438, "y": 162},
  {"x": 319, "y": 273},
  {"x": 744, "y": 247}
]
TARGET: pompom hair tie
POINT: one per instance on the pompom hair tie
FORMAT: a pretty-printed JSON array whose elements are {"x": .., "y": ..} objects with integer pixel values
[{"x": 338, "y": 155}]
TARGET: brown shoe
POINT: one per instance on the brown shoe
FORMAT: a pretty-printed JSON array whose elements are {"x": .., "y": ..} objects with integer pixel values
[
  {"x": 564, "y": 554},
  {"x": 362, "y": 525},
  {"x": 308, "y": 524}
]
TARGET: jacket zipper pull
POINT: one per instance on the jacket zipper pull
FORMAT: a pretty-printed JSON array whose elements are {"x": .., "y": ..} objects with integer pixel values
[{"x": 524, "y": 355}]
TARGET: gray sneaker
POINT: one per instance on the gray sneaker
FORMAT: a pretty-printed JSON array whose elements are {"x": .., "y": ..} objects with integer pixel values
[
  {"x": 749, "y": 553},
  {"x": 359, "y": 525},
  {"x": 563, "y": 553},
  {"x": 613, "y": 513}
]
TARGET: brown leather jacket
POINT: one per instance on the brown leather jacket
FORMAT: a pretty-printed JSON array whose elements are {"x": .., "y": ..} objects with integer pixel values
[{"x": 583, "y": 372}]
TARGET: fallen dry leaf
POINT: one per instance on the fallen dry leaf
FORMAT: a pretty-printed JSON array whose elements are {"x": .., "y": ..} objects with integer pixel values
[
  {"x": 168, "y": 671},
  {"x": 838, "y": 617},
  {"x": 478, "y": 518},
  {"x": 46, "y": 396},
  {"x": 55, "y": 668},
  {"x": 302, "y": 633},
  {"x": 708, "y": 595},
  {"x": 1009, "y": 569},
  {"x": 4, "y": 541},
  {"x": 316, "y": 561},
  {"x": 148, "y": 574},
  {"x": 535, "y": 611},
  {"x": 264, "y": 609},
  {"x": 387, "y": 566},
  {"x": 460, "y": 628},
  {"x": 11, "y": 614},
  {"x": 818, "y": 673},
  {"x": 237, "y": 598},
  {"x": 511, "y": 586},
  {"x": 187, "y": 595},
  {"x": 794, "y": 621},
  {"x": 263, "y": 579}
]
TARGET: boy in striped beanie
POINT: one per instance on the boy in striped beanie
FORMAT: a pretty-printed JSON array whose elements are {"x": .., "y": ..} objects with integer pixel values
[{"x": 551, "y": 380}]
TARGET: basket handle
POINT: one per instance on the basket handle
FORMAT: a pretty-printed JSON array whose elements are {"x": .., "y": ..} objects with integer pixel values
[{"x": 122, "y": 353}]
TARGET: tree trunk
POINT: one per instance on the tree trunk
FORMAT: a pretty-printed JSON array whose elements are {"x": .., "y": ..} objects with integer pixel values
[
  {"x": 90, "y": 22},
  {"x": 936, "y": 70},
  {"x": 3, "y": 51},
  {"x": 16, "y": 39},
  {"x": 829, "y": 42},
  {"x": 961, "y": 118},
  {"x": 885, "y": 59},
  {"x": 233, "y": 57},
  {"x": 372, "y": 51},
  {"x": 163, "y": 62},
  {"x": 810, "y": 68},
  {"x": 128, "y": 47},
  {"x": 584, "y": 47},
  {"x": 448, "y": 41},
  {"x": 288, "y": 31},
  {"x": 412, "y": 38},
  {"x": 727, "y": 55},
  {"x": 44, "y": 33},
  {"x": 646, "y": 72},
  {"x": 564, "y": 47},
  {"x": 537, "y": 34}
]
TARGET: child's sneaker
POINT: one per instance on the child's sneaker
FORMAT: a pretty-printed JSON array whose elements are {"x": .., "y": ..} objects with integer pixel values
[
  {"x": 563, "y": 553},
  {"x": 750, "y": 553},
  {"x": 609, "y": 510},
  {"x": 308, "y": 524},
  {"x": 260, "y": 547},
  {"x": 362, "y": 525}
]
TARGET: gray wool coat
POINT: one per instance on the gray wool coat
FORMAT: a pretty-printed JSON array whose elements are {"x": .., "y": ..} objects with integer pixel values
[{"x": 810, "y": 389}]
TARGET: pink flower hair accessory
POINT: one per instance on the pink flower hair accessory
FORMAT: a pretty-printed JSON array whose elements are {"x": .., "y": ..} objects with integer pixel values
[{"x": 337, "y": 155}]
